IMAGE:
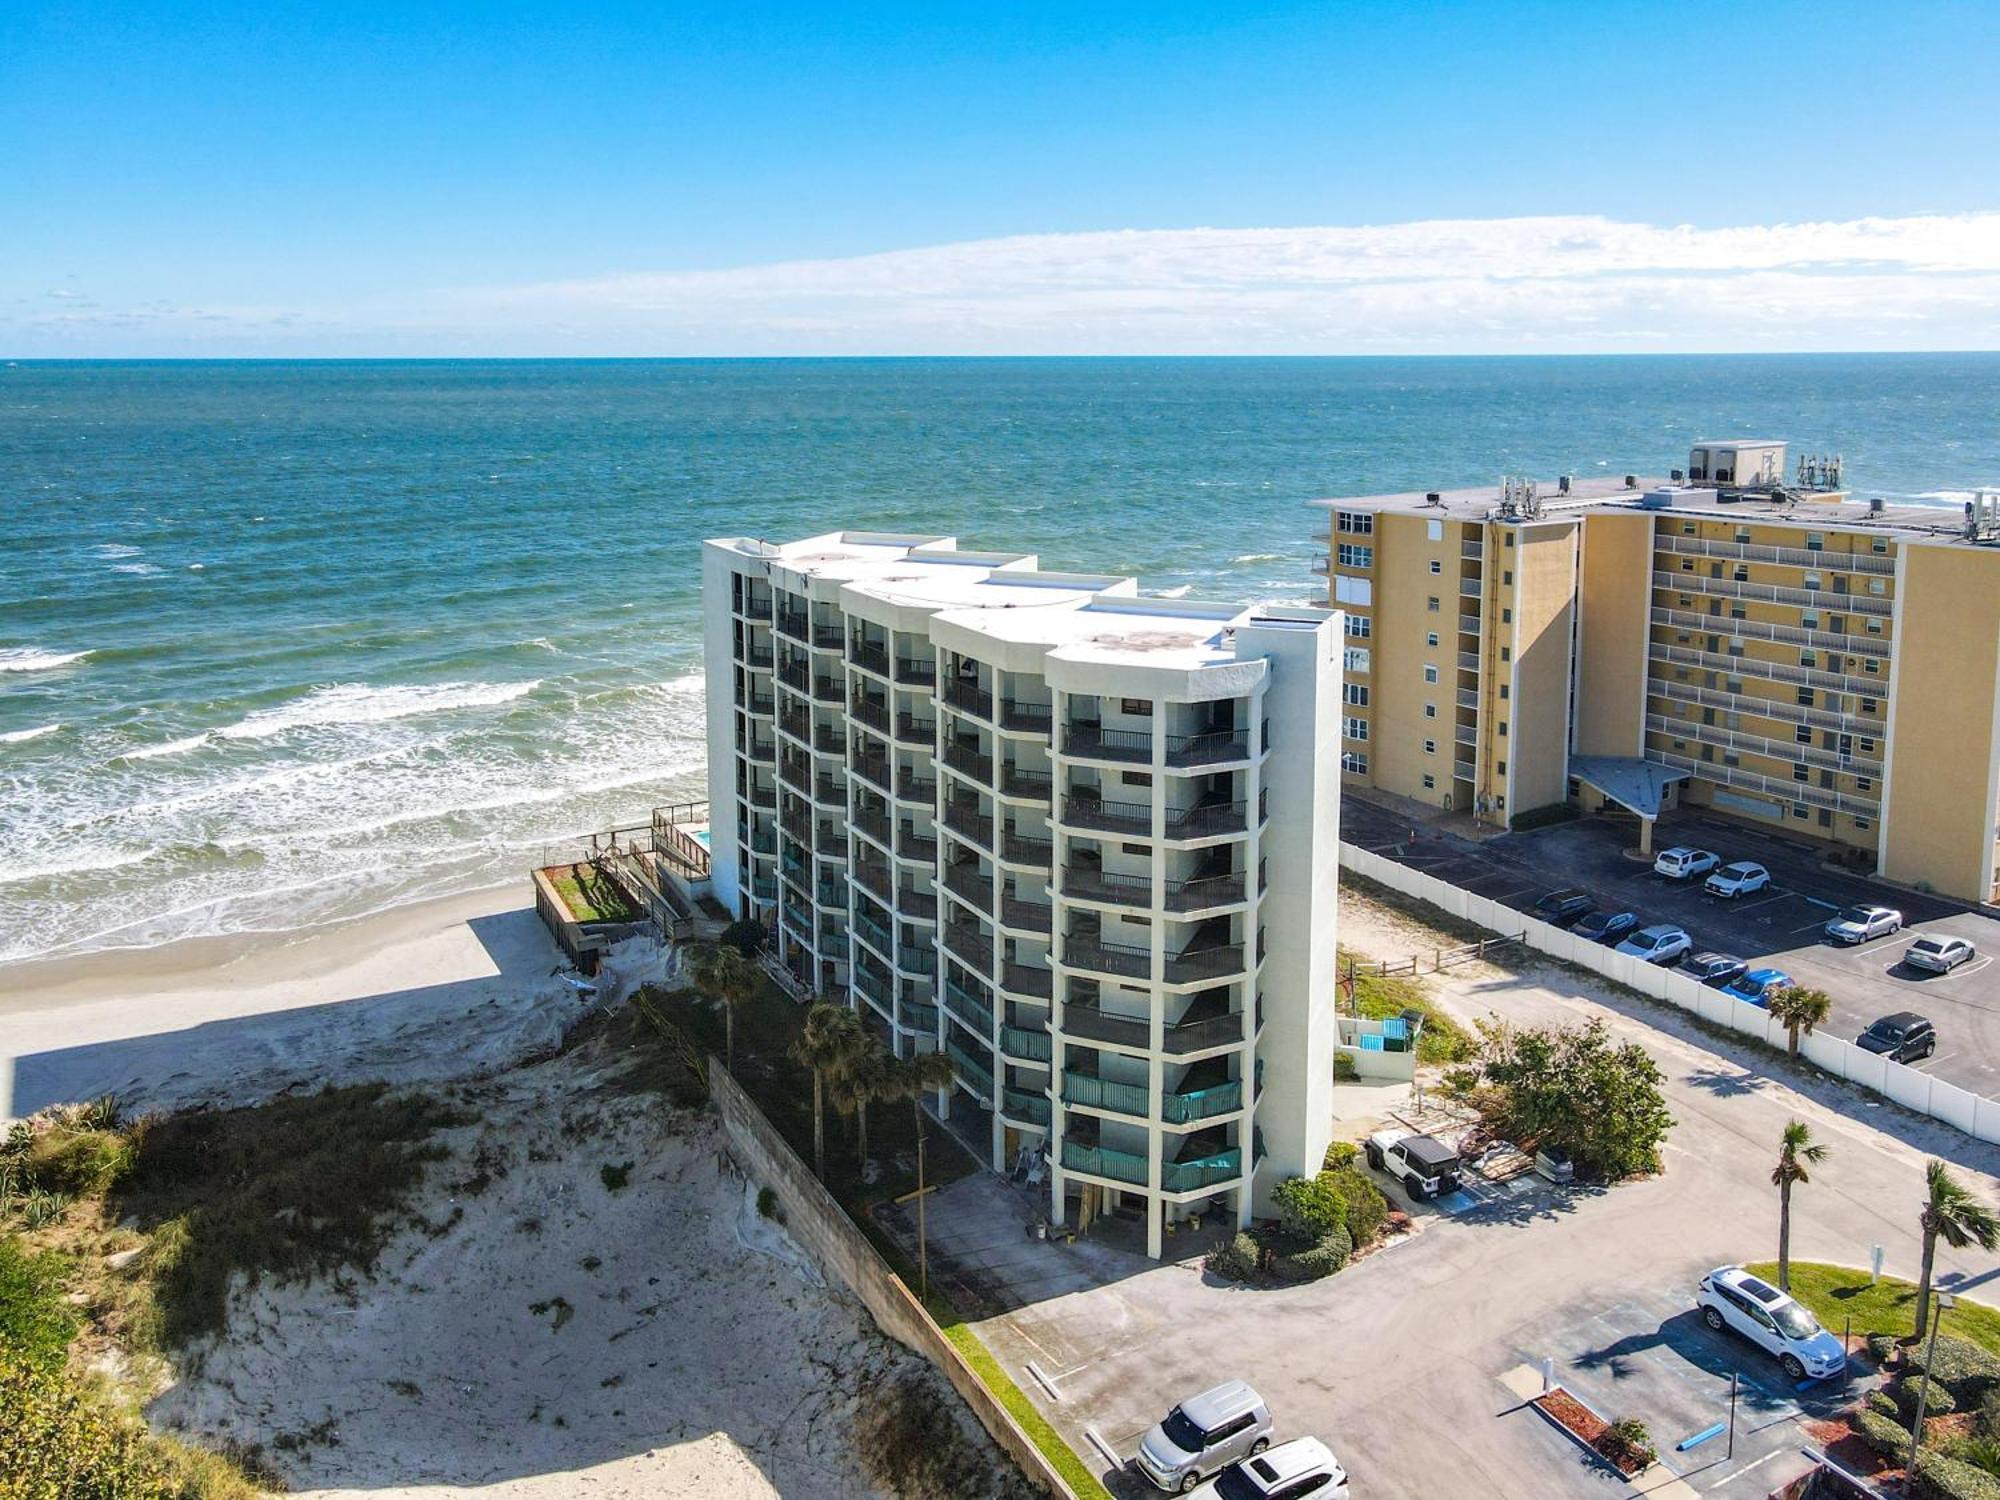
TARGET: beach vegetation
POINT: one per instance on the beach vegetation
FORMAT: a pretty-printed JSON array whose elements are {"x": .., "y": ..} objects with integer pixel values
[
  {"x": 1382, "y": 997},
  {"x": 591, "y": 895},
  {"x": 615, "y": 1176}
]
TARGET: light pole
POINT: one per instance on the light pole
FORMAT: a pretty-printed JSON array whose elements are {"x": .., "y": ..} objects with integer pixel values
[{"x": 1944, "y": 1304}]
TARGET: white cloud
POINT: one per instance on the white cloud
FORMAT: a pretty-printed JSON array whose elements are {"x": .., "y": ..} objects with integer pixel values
[{"x": 1443, "y": 286}]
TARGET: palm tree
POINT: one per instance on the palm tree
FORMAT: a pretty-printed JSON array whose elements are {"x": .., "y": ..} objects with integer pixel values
[
  {"x": 916, "y": 1075},
  {"x": 865, "y": 1075},
  {"x": 824, "y": 1043},
  {"x": 726, "y": 976},
  {"x": 1799, "y": 1010},
  {"x": 1797, "y": 1150},
  {"x": 1952, "y": 1214}
]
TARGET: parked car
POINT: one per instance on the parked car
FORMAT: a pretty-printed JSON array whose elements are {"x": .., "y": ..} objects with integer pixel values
[
  {"x": 1606, "y": 926},
  {"x": 1203, "y": 1434},
  {"x": 1739, "y": 879},
  {"x": 1903, "y": 1037},
  {"x": 1731, "y": 1298},
  {"x": 1657, "y": 945},
  {"x": 1939, "y": 954},
  {"x": 1425, "y": 1166},
  {"x": 1712, "y": 968},
  {"x": 1759, "y": 985},
  {"x": 1565, "y": 906},
  {"x": 1681, "y": 863},
  {"x": 1303, "y": 1469},
  {"x": 1860, "y": 924}
]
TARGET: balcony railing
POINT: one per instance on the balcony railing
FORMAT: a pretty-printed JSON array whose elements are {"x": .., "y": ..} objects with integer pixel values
[
  {"x": 1468, "y": 661},
  {"x": 1204, "y": 963},
  {"x": 874, "y": 824},
  {"x": 916, "y": 846},
  {"x": 1019, "y": 1104},
  {"x": 1762, "y": 630},
  {"x": 1812, "y": 559},
  {"x": 875, "y": 882},
  {"x": 760, "y": 658},
  {"x": 920, "y": 906},
  {"x": 1115, "y": 817},
  {"x": 973, "y": 1069},
  {"x": 828, "y": 637},
  {"x": 1465, "y": 770},
  {"x": 1033, "y": 980},
  {"x": 831, "y": 894},
  {"x": 1208, "y": 748},
  {"x": 763, "y": 796},
  {"x": 829, "y": 741},
  {"x": 1103, "y": 1161},
  {"x": 1027, "y": 849},
  {"x": 915, "y": 1015},
  {"x": 875, "y": 935},
  {"x": 1694, "y": 583},
  {"x": 1034, "y": 786},
  {"x": 1092, "y": 884},
  {"x": 764, "y": 887},
  {"x": 1787, "y": 791},
  {"x": 1201, "y": 1104},
  {"x": 1092, "y": 1092},
  {"x": 1210, "y": 1031},
  {"x": 976, "y": 826},
  {"x": 915, "y": 670},
  {"x": 1468, "y": 624},
  {"x": 968, "y": 697},
  {"x": 1017, "y": 714},
  {"x": 872, "y": 769},
  {"x": 1096, "y": 742},
  {"x": 793, "y": 623},
  {"x": 914, "y": 731},
  {"x": 1201, "y": 1172},
  {"x": 911, "y": 787},
  {"x": 1027, "y": 916},
  {"x": 970, "y": 762},
  {"x": 1030, "y": 1042},
  {"x": 1208, "y": 818},
  {"x": 966, "y": 944},
  {"x": 1469, "y": 588},
  {"x": 874, "y": 712},
  {"x": 1783, "y": 710},
  {"x": 795, "y": 675},
  {"x": 1084, "y": 951},
  {"x": 1771, "y": 671},
  {"x": 874, "y": 986},
  {"x": 869, "y": 657},
  {"x": 1095, "y": 1025},
  {"x": 1757, "y": 744},
  {"x": 968, "y": 1007},
  {"x": 828, "y": 690},
  {"x": 830, "y": 790},
  {"x": 968, "y": 884}
]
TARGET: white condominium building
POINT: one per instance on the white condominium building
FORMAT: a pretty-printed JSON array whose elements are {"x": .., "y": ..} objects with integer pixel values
[{"x": 1082, "y": 840}]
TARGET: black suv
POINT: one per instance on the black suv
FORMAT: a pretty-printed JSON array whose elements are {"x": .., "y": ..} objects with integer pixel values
[
  {"x": 1711, "y": 968},
  {"x": 1903, "y": 1037},
  {"x": 1565, "y": 907}
]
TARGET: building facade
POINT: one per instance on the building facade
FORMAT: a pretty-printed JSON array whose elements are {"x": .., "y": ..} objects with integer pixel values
[
  {"x": 1782, "y": 654},
  {"x": 1081, "y": 840}
]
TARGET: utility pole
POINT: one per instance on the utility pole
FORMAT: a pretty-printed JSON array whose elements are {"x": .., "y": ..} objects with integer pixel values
[
  {"x": 1732, "y": 1416},
  {"x": 923, "y": 1247},
  {"x": 1944, "y": 1304}
]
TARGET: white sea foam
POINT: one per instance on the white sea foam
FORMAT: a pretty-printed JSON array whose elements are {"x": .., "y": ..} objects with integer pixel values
[
  {"x": 109, "y": 550},
  {"x": 141, "y": 569},
  {"x": 171, "y": 747},
  {"x": 22, "y": 736},
  {"x": 1178, "y": 593},
  {"x": 357, "y": 703},
  {"x": 28, "y": 659},
  {"x": 1250, "y": 557}
]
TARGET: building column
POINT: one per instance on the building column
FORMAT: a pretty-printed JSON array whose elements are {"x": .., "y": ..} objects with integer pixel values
[
  {"x": 1645, "y": 835},
  {"x": 1156, "y": 1213}
]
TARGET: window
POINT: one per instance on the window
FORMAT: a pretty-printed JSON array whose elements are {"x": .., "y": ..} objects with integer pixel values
[
  {"x": 1800, "y": 772},
  {"x": 1870, "y": 664},
  {"x": 1813, "y": 580},
  {"x": 1868, "y": 705},
  {"x": 1431, "y": 638},
  {"x": 1808, "y": 658},
  {"x": 1354, "y": 693},
  {"x": 1877, "y": 586},
  {"x": 1431, "y": 604},
  {"x": 1357, "y": 658},
  {"x": 1140, "y": 849},
  {"x": 1874, "y": 627},
  {"x": 1804, "y": 696},
  {"x": 1687, "y": 565},
  {"x": 1430, "y": 747},
  {"x": 1740, "y": 573},
  {"x": 1506, "y": 617},
  {"x": 1430, "y": 710},
  {"x": 1430, "y": 674},
  {"x": 1810, "y": 619},
  {"x": 1687, "y": 528},
  {"x": 1430, "y": 781},
  {"x": 1503, "y": 692},
  {"x": 1355, "y": 522},
  {"x": 1862, "y": 824},
  {"x": 1507, "y": 540},
  {"x": 1353, "y": 728},
  {"x": 1801, "y": 811},
  {"x": 1742, "y": 534},
  {"x": 1878, "y": 544},
  {"x": 1354, "y": 761},
  {"x": 1143, "y": 778},
  {"x": 1815, "y": 541},
  {"x": 1500, "y": 768},
  {"x": 1507, "y": 577},
  {"x": 1348, "y": 590},
  {"x": 1360, "y": 627},
  {"x": 1863, "y": 784},
  {"x": 1436, "y": 566},
  {"x": 1506, "y": 653},
  {"x": 1138, "y": 707},
  {"x": 1434, "y": 531},
  {"x": 1867, "y": 746},
  {"x": 1803, "y": 734},
  {"x": 1354, "y": 555}
]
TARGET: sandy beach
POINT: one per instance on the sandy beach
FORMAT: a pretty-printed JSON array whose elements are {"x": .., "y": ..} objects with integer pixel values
[{"x": 437, "y": 988}]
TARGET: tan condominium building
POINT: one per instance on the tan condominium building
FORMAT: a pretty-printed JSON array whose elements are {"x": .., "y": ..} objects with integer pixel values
[
  {"x": 1078, "y": 839},
  {"x": 1759, "y": 643}
]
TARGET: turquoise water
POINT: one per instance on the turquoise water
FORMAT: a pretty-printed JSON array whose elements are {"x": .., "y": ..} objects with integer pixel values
[{"x": 286, "y": 643}]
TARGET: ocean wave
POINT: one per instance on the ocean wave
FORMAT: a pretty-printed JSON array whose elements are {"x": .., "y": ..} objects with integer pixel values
[
  {"x": 1174, "y": 593},
  {"x": 357, "y": 703},
  {"x": 22, "y": 736},
  {"x": 171, "y": 747},
  {"x": 28, "y": 659},
  {"x": 110, "y": 550},
  {"x": 1250, "y": 557},
  {"x": 141, "y": 569}
]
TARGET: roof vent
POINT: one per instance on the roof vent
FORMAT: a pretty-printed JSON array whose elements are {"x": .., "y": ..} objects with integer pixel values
[
  {"x": 1631, "y": 481},
  {"x": 1432, "y": 497}
]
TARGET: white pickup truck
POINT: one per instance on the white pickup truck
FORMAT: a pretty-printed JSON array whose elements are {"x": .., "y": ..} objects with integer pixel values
[{"x": 1425, "y": 1166}]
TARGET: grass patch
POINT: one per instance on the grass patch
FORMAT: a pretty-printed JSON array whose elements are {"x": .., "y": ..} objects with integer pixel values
[
  {"x": 1378, "y": 997},
  {"x": 590, "y": 896},
  {"x": 1011, "y": 1396},
  {"x": 1837, "y": 1293}
]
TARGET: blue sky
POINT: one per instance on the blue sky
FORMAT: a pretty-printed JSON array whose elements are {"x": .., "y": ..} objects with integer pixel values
[{"x": 318, "y": 178}]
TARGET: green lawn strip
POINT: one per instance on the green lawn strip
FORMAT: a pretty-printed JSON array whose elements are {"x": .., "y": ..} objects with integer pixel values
[
  {"x": 590, "y": 897},
  {"x": 1045, "y": 1437},
  {"x": 1837, "y": 1293},
  {"x": 1379, "y": 997}
]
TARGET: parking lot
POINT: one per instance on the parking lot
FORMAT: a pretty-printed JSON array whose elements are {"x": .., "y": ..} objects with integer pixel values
[{"x": 1779, "y": 927}]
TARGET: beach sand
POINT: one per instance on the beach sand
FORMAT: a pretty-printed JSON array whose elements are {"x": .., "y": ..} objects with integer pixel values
[{"x": 437, "y": 988}]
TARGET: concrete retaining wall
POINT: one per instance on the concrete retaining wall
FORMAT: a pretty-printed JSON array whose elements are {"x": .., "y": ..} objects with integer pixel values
[
  {"x": 821, "y": 1227},
  {"x": 1972, "y": 1113}
]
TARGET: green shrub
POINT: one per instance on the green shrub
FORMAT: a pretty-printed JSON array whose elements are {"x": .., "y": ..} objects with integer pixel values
[
  {"x": 615, "y": 1176},
  {"x": 767, "y": 1204},
  {"x": 1322, "y": 1258},
  {"x": 1937, "y": 1398},
  {"x": 1882, "y": 1348},
  {"x": 1940, "y": 1477},
  {"x": 1344, "y": 1070},
  {"x": 1340, "y": 1154},
  {"x": 1627, "y": 1443},
  {"x": 746, "y": 935},
  {"x": 1960, "y": 1366},
  {"x": 1882, "y": 1402},
  {"x": 36, "y": 1325},
  {"x": 1236, "y": 1261},
  {"x": 1309, "y": 1208},
  {"x": 1367, "y": 1209},
  {"x": 1884, "y": 1434},
  {"x": 1980, "y": 1451},
  {"x": 1987, "y": 1422}
]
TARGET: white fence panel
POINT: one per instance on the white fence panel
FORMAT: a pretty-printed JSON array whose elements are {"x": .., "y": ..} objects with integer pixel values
[
  {"x": 1487, "y": 913},
  {"x": 1907, "y": 1087},
  {"x": 1749, "y": 1019},
  {"x": 1869, "y": 1069},
  {"x": 1827, "y": 1051},
  {"x": 1682, "y": 990},
  {"x": 1649, "y": 980},
  {"x": 1986, "y": 1119},
  {"x": 1957, "y": 1107}
]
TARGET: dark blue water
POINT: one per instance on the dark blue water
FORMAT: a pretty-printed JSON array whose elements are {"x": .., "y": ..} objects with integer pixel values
[{"x": 282, "y": 643}]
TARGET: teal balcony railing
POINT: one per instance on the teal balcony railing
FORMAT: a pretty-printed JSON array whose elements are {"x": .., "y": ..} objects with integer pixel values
[
  {"x": 1201, "y": 1104},
  {"x": 1101, "y": 1093},
  {"x": 1102, "y": 1161},
  {"x": 972, "y": 1068},
  {"x": 1021, "y": 1041},
  {"x": 968, "y": 1007},
  {"x": 1019, "y": 1104},
  {"x": 1206, "y": 1171}
]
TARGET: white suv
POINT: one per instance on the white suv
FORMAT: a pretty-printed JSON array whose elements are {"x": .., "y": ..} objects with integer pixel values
[
  {"x": 1739, "y": 879},
  {"x": 1681, "y": 863},
  {"x": 1204, "y": 1433},
  {"x": 1303, "y": 1469},
  {"x": 1732, "y": 1298}
]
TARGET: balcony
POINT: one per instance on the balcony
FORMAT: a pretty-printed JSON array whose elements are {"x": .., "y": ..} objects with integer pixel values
[
  {"x": 797, "y": 722},
  {"x": 872, "y": 769},
  {"x": 1088, "y": 1091},
  {"x": 764, "y": 796},
  {"x": 969, "y": 885},
  {"x": 974, "y": 1070},
  {"x": 918, "y": 906},
  {"x": 1114, "y": 817},
  {"x": 1208, "y": 1032},
  {"x": 1468, "y": 624},
  {"x": 1731, "y": 665},
  {"x": 1465, "y": 734},
  {"x": 1030, "y": 1042},
  {"x": 1032, "y": 718},
  {"x": 875, "y": 935},
  {"x": 1469, "y": 588},
  {"x": 828, "y": 741},
  {"x": 1210, "y": 747},
  {"x": 765, "y": 751},
  {"x": 1019, "y": 1104},
  {"x": 1762, "y": 630},
  {"x": 1204, "y": 963},
  {"x": 1202, "y": 1171},
  {"x": 796, "y": 923},
  {"x": 874, "y": 986},
  {"x": 764, "y": 887},
  {"x": 1026, "y": 849},
  {"x": 916, "y": 958},
  {"x": 1030, "y": 786},
  {"x": 977, "y": 826},
  {"x": 1027, "y": 916},
  {"x": 916, "y": 671},
  {"x": 869, "y": 657},
  {"x": 828, "y": 690},
  {"x": 1088, "y": 883},
  {"x": 1787, "y": 791},
  {"x": 968, "y": 1007},
  {"x": 916, "y": 846},
  {"x": 1782, "y": 710},
  {"x": 910, "y": 787},
  {"x": 831, "y": 894},
  {"x": 1465, "y": 770},
  {"x": 830, "y": 790},
  {"x": 1757, "y": 744},
  {"x": 874, "y": 712},
  {"x": 1092, "y": 1024},
  {"x": 760, "y": 658},
  {"x": 968, "y": 761},
  {"x": 1036, "y": 981},
  {"x": 1471, "y": 551},
  {"x": 793, "y": 623},
  {"x": 830, "y": 842},
  {"x": 872, "y": 823},
  {"x": 875, "y": 882},
  {"x": 1815, "y": 559},
  {"x": 760, "y": 704},
  {"x": 915, "y": 1015},
  {"x": 1206, "y": 819},
  {"x": 965, "y": 943},
  {"x": 1087, "y": 951},
  {"x": 969, "y": 697},
  {"x": 1694, "y": 583},
  {"x": 1202, "y": 1103},
  {"x": 828, "y": 637},
  {"x": 1103, "y": 1161},
  {"x": 795, "y": 675},
  {"x": 1095, "y": 742},
  {"x": 1468, "y": 661},
  {"x": 914, "y": 731}
]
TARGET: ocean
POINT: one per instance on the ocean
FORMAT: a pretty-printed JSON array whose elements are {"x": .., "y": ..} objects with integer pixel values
[{"x": 287, "y": 643}]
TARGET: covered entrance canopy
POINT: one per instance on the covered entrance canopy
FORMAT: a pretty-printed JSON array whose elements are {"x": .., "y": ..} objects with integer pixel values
[{"x": 1634, "y": 784}]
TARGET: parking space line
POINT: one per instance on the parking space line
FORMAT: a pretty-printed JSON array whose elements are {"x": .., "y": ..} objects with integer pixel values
[
  {"x": 1932, "y": 1061},
  {"x": 1753, "y": 1464},
  {"x": 1776, "y": 895}
]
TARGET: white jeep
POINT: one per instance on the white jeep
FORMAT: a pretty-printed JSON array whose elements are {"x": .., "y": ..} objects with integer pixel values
[{"x": 1424, "y": 1165}]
